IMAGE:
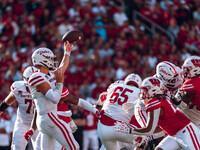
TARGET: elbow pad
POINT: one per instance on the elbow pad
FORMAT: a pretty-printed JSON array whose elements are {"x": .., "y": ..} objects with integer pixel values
[{"x": 53, "y": 96}]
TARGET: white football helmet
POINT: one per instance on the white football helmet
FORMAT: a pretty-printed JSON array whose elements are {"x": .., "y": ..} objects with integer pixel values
[
  {"x": 151, "y": 87},
  {"x": 191, "y": 67},
  {"x": 169, "y": 74},
  {"x": 114, "y": 83},
  {"x": 133, "y": 78},
  {"x": 28, "y": 72},
  {"x": 44, "y": 57}
]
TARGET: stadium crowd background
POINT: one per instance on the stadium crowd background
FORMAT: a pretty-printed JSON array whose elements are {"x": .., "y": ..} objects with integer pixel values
[{"x": 114, "y": 43}]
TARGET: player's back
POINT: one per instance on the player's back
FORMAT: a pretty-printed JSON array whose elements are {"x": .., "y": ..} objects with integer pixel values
[
  {"x": 171, "y": 120},
  {"x": 43, "y": 105},
  {"x": 25, "y": 101},
  {"x": 116, "y": 97}
]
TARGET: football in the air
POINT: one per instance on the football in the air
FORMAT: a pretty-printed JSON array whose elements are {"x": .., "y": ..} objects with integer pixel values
[{"x": 72, "y": 36}]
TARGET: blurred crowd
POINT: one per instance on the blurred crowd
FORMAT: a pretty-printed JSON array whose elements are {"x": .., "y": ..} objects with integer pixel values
[{"x": 114, "y": 44}]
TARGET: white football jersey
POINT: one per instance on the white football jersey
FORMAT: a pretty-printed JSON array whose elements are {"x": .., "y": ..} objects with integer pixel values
[
  {"x": 25, "y": 101},
  {"x": 118, "y": 95},
  {"x": 43, "y": 105}
]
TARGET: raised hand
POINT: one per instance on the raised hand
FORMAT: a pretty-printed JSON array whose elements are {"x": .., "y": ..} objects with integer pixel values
[{"x": 68, "y": 48}]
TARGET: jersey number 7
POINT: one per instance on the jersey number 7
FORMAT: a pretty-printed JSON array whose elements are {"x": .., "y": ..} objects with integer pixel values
[
  {"x": 29, "y": 102},
  {"x": 120, "y": 95}
]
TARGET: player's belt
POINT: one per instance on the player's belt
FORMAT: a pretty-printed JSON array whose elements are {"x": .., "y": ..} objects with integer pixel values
[{"x": 107, "y": 120}]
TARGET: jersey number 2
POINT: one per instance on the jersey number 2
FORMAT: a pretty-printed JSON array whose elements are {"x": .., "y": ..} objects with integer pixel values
[
  {"x": 120, "y": 91},
  {"x": 29, "y": 102}
]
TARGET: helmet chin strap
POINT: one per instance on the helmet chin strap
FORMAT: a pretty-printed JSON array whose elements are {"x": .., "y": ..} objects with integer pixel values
[{"x": 45, "y": 65}]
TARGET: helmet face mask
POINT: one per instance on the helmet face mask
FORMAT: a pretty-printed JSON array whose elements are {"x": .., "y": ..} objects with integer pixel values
[
  {"x": 144, "y": 94},
  {"x": 44, "y": 57},
  {"x": 191, "y": 67}
]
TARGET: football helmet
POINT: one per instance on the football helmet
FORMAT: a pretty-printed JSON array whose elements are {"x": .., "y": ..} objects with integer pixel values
[
  {"x": 114, "y": 83},
  {"x": 169, "y": 74},
  {"x": 28, "y": 72},
  {"x": 133, "y": 78},
  {"x": 191, "y": 67},
  {"x": 44, "y": 57},
  {"x": 151, "y": 87}
]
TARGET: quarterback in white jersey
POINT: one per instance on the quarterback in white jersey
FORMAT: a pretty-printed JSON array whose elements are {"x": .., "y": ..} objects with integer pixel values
[
  {"x": 20, "y": 93},
  {"x": 47, "y": 96},
  {"x": 112, "y": 111}
]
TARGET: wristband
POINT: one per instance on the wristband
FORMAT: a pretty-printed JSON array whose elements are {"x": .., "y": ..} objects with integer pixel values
[
  {"x": 59, "y": 87},
  {"x": 67, "y": 53},
  {"x": 3, "y": 106},
  {"x": 130, "y": 131}
]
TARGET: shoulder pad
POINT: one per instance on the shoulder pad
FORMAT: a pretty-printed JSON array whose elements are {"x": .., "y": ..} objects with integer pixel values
[
  {"x": 187, "y": 86},
  {"x": 36, "y": 79},
  {"x": 152, "y": 104},
  {"x": 18, "y": 85}
]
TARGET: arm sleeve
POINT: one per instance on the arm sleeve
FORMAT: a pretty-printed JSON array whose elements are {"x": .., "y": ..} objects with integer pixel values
[
  {"x": 55, "y": 96},
  {"x": 154, "y": 124},
  {"x": 86, "y": 105}
]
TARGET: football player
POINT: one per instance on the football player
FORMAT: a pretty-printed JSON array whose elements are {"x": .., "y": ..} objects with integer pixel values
[
  {"x": 171, "y": 77},
  {"x": 21, "y": 94},
  {"x": 112, "y": 111},
  {"x": 189, "y": 94},
  {"x": 182, "y": 133},
  {"x": 46, "y": 97}
]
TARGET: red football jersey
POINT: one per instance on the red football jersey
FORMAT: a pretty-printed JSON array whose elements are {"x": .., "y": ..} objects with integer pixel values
[
  {"x": 91, "y": 120},
  {"x": 193, "y": 85},
  {"x": 172, "y": 120},
  {"x": 64, "y": 106}
]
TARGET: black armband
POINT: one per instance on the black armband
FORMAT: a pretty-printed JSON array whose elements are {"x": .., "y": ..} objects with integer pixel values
[
  {"x": 3, "y": 106},
  {"x": 130, "y": 130}
]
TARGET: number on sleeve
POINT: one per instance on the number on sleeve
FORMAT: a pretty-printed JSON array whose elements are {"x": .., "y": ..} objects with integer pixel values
[{"x": 29, "y": 102}]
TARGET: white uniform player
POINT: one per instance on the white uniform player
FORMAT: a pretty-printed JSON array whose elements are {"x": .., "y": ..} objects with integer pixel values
[
  {"x": 20, "y": 93},
  {"x": 46, "y": 97},
  {"x": 112, "y": 111},
  {"x": 24, "y": 115}
]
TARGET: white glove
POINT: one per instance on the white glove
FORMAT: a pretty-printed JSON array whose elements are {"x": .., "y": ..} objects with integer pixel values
[
  {"x": 73, "y": 126},
  {"x": 122, "y": 127},
  {"x": 139, "y": 140}
]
